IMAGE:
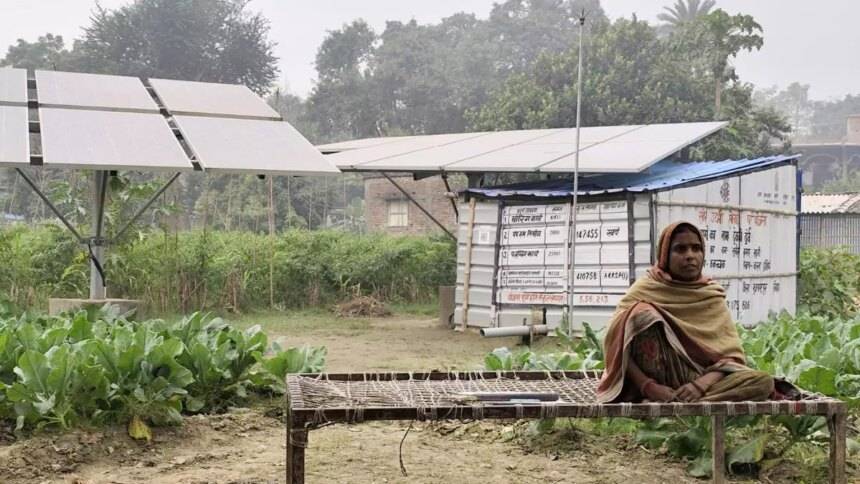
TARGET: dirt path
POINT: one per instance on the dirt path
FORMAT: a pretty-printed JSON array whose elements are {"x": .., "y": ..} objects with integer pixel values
[{"x": 247, "y": 445}]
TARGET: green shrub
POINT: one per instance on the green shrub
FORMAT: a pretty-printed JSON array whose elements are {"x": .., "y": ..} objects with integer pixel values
[
  {"x": 198, "y": 270},
  {"x": 829, "y": 282},
  {"x": 101, "y": 367}
]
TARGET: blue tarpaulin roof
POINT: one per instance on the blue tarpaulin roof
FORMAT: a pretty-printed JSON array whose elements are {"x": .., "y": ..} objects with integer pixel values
[{"x": 664, "y": 175}]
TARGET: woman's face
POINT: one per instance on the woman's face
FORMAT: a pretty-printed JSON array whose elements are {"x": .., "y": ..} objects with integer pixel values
[{"x": 686, "y": 256}]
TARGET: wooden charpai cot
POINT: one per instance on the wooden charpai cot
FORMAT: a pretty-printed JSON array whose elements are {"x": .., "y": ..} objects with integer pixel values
[{"x": 318, "y": 399}]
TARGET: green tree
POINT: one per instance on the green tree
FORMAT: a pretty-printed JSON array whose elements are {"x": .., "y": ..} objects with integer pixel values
[
  {"x": 48, "y": 52},
  {"x": 422, "y": 79},
  {"x": 684, "y": 11},
  {"x": 632, "y": 76},
  {"x": 720, "y": 37},
  {"x": 343, "y": 105},
  {"x": 197, "y": 40}
]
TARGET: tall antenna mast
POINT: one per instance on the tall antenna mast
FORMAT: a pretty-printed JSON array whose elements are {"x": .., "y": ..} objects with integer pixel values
[{"x": 574, "y": 208}]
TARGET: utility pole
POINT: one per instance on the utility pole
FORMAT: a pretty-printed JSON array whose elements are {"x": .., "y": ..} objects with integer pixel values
[{"x": 574, "y": 207}]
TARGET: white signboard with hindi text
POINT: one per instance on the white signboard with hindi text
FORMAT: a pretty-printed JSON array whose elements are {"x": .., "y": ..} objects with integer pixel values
[{"x": 534, "y": 254}]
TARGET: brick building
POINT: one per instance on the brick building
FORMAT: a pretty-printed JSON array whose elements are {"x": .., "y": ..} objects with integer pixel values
[{"x": 388, "y": 210}]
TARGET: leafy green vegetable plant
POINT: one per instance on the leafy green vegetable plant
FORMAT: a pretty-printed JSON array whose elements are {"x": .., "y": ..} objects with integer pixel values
[{"x": 102, "y": 367}]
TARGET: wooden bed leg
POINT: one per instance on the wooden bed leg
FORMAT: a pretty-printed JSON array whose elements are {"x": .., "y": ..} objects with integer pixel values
[
  {"x": 297, "y": 441},
  {"x": 718, "y": 448},
  {"x": 836, "y": 423}
]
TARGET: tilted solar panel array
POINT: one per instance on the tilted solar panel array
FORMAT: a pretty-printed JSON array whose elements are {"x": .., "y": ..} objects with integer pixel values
[
  {"x": 603, "y": 149},
  {"x": 103, "y": 122}
]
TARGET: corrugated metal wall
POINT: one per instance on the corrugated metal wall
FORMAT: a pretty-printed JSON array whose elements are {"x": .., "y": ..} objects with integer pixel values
[{"x": 830, "y": 230}]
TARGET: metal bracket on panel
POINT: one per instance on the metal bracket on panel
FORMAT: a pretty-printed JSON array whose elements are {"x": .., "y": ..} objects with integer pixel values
[
  {"x": 420, "y": 175},
  {"x": 34, "y": 125},
  {"x": 174, "y": 128},
  {"x": 97, "y": 241}
]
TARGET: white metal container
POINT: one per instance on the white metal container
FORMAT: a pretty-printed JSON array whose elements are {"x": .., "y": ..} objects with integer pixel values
[{"x": 520, "y": 248}]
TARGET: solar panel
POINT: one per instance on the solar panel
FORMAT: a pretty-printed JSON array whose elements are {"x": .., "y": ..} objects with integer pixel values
[
  {"x": 353, "y": 159},
  {"x": 361, "y": 143},
  {"x": 252, "y": 146},
  {"x": 517, "y": 159},
  {"x": 14, "y": 138},
  {"x": 630, "y": 148},
  {"x": 636, "y": 150},
  {"x": 462, "y": 151},
  {"x": 13, "y": 86},
  {"x": 203, "y": 98},
  {"x": 106, "y": 140},
  {"x": 74, "y": 89}
]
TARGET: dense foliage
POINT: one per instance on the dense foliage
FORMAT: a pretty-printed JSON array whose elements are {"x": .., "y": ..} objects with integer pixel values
[
  {"x": 236, "y": 271},
  {"x": 829, "y": 283},
  {"x": 422, "y": 78},
  {"x": 636, "y": 74},
  {"x": 101, "y": 367},
  {"x": 197, "y": 40}
]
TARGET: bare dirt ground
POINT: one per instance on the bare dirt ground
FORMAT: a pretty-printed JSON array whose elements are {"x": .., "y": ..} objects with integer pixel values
[{"x": 247, "y": 445}]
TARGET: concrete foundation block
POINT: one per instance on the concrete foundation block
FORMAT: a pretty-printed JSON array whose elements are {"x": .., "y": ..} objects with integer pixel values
[{"x": 61, "y": 305}]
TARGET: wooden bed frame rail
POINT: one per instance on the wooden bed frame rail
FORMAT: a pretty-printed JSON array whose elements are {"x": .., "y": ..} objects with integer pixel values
[{"x": 301, "y": 419}]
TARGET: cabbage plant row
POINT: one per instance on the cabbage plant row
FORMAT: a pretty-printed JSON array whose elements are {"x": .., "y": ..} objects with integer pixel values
[{"x": 102, "y": 367}]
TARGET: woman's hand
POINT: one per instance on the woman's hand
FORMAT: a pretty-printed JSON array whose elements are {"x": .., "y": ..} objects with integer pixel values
[
  {"x": 659, "y": 393},
  {"x": 691, "y": 392}
]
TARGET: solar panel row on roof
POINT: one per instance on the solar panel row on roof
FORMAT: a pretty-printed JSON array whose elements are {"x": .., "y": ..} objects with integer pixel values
[{"x": 602, "y": 149}]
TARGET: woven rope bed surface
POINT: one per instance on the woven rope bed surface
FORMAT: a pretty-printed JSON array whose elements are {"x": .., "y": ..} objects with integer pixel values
[
  {"x": 320, "y": 392},
  {"x": 437, "y": 395}
]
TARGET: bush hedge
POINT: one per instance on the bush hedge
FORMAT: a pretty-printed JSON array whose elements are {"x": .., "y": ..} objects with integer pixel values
[{"x": 196, "y": 270}]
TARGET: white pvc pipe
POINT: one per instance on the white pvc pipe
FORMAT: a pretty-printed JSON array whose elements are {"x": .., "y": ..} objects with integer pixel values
[{"x": 514, "y": 331}]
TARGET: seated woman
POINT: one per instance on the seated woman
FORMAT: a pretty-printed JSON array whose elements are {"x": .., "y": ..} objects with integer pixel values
[{"x": 672, "y": 337}]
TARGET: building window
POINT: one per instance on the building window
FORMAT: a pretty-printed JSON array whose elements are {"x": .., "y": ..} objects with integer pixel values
[{"x": 398, "y": 213}]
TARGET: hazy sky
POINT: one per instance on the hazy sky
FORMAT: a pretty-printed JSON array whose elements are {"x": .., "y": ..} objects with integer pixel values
[{"x": 810, "y": 42}]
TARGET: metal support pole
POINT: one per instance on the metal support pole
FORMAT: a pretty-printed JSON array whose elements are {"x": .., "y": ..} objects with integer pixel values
[
  {"x": 97, "y": 244},
  {"x": 423, "y": 210},
  {"x": 453, "y": 201},
  {"x": 574, "y": 207},
  {"x": 144, "y": 208}
]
